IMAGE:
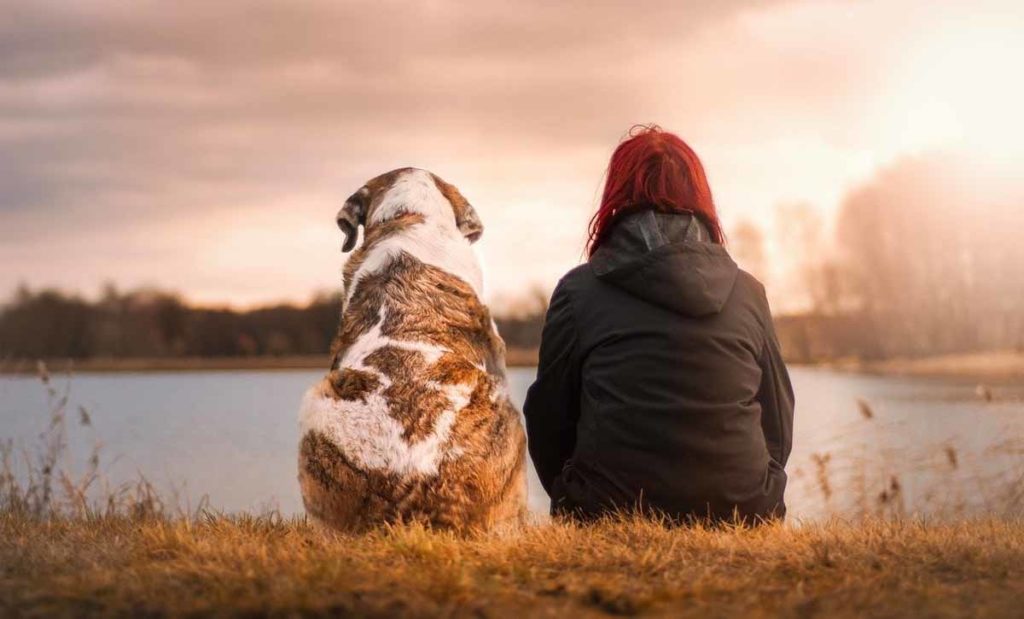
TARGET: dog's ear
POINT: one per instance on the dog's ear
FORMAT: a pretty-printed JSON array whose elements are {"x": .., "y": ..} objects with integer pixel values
[
  {"x": 351, "y": 216},
  {"x": 470, "y": 225},
  {"x": 465, "y": 215}
]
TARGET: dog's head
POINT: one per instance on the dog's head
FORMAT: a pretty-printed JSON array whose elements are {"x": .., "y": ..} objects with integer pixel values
[{"x": 402, "y": 191}]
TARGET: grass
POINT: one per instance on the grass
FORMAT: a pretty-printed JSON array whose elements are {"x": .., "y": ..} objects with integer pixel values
[
  {"x": 245, "y": 566},
  {"x": 72, "y": 547}
]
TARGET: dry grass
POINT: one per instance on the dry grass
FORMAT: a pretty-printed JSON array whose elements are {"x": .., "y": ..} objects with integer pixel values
[{"x": 266, "y": 567}]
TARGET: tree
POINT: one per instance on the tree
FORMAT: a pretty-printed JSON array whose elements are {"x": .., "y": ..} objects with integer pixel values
[
  {"x": 930, "y": 256},
  {"x": 747, "y": 245}
]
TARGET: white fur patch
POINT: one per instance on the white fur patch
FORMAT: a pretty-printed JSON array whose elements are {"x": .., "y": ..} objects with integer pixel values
[
  {"x": 366, "y": 432},
  {"x": 437, "y": 241}
]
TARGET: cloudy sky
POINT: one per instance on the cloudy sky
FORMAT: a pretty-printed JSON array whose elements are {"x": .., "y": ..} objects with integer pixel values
[{"x": 206, "y": 146}]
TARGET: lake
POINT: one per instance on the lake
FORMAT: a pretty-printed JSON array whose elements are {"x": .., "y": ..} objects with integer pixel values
[{"x": 862, "y": 444}]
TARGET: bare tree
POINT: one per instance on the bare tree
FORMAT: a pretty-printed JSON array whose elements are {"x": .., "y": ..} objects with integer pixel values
[
  {"x": 747, "y": 246},
  {"x": 930, "y": 257}
]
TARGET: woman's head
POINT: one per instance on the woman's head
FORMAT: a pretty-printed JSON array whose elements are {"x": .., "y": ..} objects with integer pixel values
[{"x": 653, "y": 169}]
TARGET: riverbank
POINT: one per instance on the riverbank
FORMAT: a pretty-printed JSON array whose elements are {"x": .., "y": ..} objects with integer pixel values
[
  {"x": 997, "y": 366},
  {"x": 515, "y": 358},
  {"x": 245, "y": 566},
  {"x": 1000, "y": 366}
]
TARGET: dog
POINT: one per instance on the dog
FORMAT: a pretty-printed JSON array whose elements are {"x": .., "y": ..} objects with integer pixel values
[{"x": 413, "y": 422}]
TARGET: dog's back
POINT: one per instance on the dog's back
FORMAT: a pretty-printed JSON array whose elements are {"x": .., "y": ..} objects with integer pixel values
[{"x": 413, "y": 422}]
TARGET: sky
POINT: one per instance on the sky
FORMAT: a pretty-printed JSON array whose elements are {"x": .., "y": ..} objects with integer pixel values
[{"x": 205, "y": 147}]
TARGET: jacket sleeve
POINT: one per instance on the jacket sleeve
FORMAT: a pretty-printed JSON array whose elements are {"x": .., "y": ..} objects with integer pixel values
[
  {"x": 776, "y": 398},
  {"x": 552, "y": 405}
]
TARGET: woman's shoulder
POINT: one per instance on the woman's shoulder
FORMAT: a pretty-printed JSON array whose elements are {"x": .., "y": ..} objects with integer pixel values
[
  {"x": 750, "y": 284},
  {"x": 578, "y": 281},
  {"x": 578, "y": 275},
  {"x": 752, "y": 294}
]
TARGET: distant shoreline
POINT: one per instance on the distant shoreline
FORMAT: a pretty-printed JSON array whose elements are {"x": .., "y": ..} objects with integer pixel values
[
  {"x": 993, "y": 366},
  {"x": 515, "y": 358},
  {"x": 1000, "y": 366}
]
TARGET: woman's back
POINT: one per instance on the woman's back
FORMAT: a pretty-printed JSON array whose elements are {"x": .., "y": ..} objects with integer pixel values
[{"x": 660, "y": 382}]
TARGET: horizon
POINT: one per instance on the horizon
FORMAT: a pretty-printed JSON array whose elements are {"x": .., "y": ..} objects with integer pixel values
[{"x": 156, "y": 148}]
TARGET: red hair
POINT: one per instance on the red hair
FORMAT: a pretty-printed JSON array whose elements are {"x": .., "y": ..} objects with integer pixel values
[{"x": 657, "y": 170}]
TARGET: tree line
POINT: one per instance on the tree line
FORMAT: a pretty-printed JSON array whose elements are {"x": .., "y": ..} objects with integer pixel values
[
  {"x": 50, "y": 324},
  {"x": 925, "y": 258}
]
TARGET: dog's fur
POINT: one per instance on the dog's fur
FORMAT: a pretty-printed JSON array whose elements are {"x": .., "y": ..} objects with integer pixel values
[{"x": 413, "y": 421}]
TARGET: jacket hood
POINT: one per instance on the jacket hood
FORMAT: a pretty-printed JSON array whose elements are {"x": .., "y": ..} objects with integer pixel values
[{"x": 667, "y": 259}]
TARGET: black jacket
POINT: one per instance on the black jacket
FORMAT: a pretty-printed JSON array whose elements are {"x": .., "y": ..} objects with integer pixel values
[{"x": 660, "y": 383}]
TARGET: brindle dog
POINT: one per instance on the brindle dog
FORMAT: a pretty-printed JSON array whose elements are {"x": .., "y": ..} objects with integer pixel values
[{"x": 413, "y": 422}]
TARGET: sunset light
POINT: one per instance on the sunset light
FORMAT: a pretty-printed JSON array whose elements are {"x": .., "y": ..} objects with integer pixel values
[{"x": 379, "y": 308}]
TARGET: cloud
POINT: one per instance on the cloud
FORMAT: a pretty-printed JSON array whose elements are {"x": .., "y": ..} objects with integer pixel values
[{"x": 205, "y": 146}]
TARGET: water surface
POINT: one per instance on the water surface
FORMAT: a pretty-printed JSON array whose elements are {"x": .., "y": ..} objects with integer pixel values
[{"x": 232, "y": 436}]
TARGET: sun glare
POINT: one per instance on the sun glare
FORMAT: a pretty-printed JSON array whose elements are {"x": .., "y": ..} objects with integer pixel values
[{"x": 963, "y": 87}]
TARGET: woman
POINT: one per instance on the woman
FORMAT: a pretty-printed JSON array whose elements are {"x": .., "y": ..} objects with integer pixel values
[{"x": 660, "y": 385}]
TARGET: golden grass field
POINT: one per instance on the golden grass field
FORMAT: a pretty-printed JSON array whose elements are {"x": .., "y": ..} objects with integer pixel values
[{"x": 256, "y": 567}]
